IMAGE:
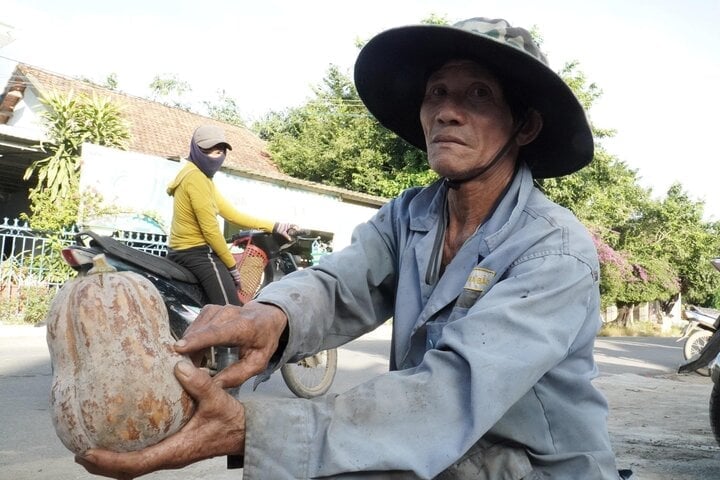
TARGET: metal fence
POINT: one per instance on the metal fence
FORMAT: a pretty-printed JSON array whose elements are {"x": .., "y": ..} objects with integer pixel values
[{"x": 32, "y": 258}]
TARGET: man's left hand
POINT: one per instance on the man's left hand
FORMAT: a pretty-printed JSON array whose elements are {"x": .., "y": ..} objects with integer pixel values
[{"x": 217, "y": 428}]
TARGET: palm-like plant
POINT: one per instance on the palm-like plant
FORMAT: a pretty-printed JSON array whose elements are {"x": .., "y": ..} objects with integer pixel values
[{"x": 72, "y": 120}]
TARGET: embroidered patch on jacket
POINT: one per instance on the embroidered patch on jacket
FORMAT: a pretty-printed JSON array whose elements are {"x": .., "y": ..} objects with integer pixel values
[{"x": 475, "y": 286}]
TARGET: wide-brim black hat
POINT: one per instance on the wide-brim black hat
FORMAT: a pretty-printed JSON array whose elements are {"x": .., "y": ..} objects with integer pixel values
[{"x": 393, "y": 67}]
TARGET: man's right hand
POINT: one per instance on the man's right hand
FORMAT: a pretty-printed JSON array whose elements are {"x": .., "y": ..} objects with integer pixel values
[
  {"x": 255, "y": 328},
  {"x": 216, "y": 428}
]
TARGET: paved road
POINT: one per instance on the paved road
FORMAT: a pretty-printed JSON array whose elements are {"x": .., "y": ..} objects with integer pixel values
[
  {"x": 29, "y": 448},
  {"x": 639, "y": 355}
]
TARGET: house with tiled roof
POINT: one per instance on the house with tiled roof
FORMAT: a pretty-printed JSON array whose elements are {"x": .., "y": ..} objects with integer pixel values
[{"x": 158, "y": 133}]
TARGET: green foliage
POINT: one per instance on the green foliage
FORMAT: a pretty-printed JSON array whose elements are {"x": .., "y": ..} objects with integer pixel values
[
  {"x": 71, "y": 120},
  {"x": 111, "y": 81},
  {"x": 334, "y": 140},
  {"x": 714, "y": 300},
  {"x": 605, "y": 193},
  {"x": 436, "y": 19},
  {"x": 673, "y": 230},
  {"x": 29, "y": 306},
  {"x": 648, "y": 249},
  {"x": 52, "y": 214},
  {"x": 169, "y": 90},
  {"x": 55, "y": 202},
  {"x": 53, "y": 268},
  {"x": 225, "y": 110},
  {"x": 29, "y": 298}
]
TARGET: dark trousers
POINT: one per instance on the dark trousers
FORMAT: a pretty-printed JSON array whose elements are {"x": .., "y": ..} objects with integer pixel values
[{"x": 210, "y": 271}]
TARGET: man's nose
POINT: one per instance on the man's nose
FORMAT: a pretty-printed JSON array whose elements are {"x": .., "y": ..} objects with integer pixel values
[{"x": 451, "y": 109}]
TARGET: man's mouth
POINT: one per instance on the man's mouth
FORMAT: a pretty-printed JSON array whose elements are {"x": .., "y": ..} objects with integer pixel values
[{"x": 444, "y": 138}]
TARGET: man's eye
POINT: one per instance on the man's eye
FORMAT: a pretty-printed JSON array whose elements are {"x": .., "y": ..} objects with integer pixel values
[
  {"x": 479, "y": 92},
  {"x": 436, "y": 91}
]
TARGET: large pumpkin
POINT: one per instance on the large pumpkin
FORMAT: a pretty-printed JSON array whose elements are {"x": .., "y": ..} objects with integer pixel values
[{"x": 111, "y": 350}]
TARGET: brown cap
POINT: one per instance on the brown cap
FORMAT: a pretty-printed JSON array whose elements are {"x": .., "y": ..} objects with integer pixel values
[{"x": 207, "y": 136}]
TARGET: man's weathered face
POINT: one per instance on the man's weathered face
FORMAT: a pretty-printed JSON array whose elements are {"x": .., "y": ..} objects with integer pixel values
[{"x": 465, "y": 118}]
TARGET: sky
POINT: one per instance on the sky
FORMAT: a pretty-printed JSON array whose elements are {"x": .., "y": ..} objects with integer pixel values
[{"x": 656, "y": 62}]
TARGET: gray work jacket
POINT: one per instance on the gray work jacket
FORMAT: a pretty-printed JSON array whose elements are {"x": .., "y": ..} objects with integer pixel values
[{"x": 491, "y": 362}]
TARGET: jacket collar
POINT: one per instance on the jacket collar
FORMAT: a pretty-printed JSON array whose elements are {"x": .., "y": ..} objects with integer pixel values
[{"x": 426, "y": 208}]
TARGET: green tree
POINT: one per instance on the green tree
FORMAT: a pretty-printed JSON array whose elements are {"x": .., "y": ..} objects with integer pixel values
[
  {"x": 607, "y": 197},
  {"x": 110, "y": 82},
  {"x": 334, "y": 140},
  {"x": 225, "y": 109},
  {"x": 71, "y": 120},
  {"x": 170, "y": 90},
  {"x": 673, "y": 230}
]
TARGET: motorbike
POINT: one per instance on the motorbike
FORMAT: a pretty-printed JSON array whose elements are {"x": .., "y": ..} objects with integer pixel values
[
  {"x": 700, "y": 327},
  {"x": 262, "y": 258},
  {"x": 709, "y": 358}
]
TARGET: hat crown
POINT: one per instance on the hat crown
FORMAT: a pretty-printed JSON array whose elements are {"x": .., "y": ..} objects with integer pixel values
[
  {"x": 501, "y": 31},
  {"x": 207, "y": 136}
]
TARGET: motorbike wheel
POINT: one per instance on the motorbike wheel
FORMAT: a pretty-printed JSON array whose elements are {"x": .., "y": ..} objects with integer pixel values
[
  {"x": 715, "y": 412},
  {"x": 694, "y": 345},
  {"x": 312, "y": 376}
]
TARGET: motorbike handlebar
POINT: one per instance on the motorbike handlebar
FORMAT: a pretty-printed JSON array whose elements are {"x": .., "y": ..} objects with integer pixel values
[{"x": 295, "y": 234}]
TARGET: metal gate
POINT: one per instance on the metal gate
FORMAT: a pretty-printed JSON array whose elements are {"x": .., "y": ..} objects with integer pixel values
[{"x": 32, "y": 258}]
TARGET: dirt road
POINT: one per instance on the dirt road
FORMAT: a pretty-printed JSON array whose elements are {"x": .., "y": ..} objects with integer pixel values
[{"x": 659, "y": 426}]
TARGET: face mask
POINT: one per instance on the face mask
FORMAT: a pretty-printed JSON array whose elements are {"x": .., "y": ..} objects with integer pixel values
[{"x": 207, "y": 164}]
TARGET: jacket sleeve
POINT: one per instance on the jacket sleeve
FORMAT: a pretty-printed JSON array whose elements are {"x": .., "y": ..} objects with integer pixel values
[
  {"x": 414, "y": 422},
  {"x": 346, "y": 295}
]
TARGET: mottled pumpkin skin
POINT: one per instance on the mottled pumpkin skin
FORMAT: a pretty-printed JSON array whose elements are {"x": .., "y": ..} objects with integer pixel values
[{"x": 111, "y": 350}]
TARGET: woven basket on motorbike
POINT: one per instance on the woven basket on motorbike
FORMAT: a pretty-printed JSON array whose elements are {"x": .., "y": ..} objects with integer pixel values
[{"x": 251, "y": 265}]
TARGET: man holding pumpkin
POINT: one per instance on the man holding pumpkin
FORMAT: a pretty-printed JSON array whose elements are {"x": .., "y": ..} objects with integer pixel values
[{"x": 492, "y": 288}]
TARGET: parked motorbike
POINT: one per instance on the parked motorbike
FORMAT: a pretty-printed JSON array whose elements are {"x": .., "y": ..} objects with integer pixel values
[
  {"x": 709, "y": 358},
  {"x": 696, "y": 333},
  {"x": 262, "y": 258}
]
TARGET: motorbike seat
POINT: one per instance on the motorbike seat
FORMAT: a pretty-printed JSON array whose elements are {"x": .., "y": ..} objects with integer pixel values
[{"x": 157, "y": 265}]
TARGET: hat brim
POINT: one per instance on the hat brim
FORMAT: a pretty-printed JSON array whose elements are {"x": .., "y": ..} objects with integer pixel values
[
  {"x": 209, "y": 143},
  {"x": 392, "y": 68}
]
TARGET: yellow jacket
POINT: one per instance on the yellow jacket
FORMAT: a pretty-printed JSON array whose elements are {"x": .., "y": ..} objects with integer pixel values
[{"x": 196, "y": 205}]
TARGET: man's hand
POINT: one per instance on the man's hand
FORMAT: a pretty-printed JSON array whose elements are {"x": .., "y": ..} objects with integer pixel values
[
  {"x": 255, "y": 328},
  {"x": 216, "y": 428}
]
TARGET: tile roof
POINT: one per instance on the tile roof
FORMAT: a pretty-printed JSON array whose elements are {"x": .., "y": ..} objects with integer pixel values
[{"x": 157, "y": 129}]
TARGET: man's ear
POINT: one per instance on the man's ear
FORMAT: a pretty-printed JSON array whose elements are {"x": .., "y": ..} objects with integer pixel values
[{"x": 531, "y": 128}]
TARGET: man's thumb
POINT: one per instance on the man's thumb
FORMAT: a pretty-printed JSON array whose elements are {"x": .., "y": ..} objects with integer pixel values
[{"x": 194, "y": 380}]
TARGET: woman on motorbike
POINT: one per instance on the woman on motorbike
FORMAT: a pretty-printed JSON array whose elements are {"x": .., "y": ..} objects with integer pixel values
[{"x": 196, "y": 241}]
